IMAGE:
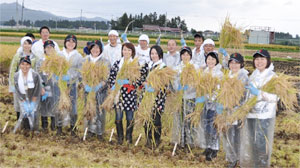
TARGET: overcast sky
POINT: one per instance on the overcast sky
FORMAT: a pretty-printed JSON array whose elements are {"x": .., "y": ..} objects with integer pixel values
[{"x": 281, "y": 15}]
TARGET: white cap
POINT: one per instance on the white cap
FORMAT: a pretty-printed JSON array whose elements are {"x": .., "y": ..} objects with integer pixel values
[
  {"x": 23, "y": 39},
  {"x": 113, "y": 32},
  {"x": 144, "y": 37},
  {"x": 208, "y": 41}
]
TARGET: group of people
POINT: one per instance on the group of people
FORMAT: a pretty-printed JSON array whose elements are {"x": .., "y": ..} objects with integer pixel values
[{"x": 36, "y": 95}]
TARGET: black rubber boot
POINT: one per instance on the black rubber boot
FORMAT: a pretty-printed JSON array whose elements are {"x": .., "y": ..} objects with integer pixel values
[
  {"x": 129, "y": 129},
  {"x": 148, "y": 134},
  {"x": 73, "y": 130},
  {"x": 120, "y": 133},
  {"x": 45, "y": 123},
  {"x": 157, "y": 135},
  {"x": 100, "y": 138},
  {"x": 18, "y": 115},
  {"x": 59, "y": 131},
  {"x": 52, "y": 126}
]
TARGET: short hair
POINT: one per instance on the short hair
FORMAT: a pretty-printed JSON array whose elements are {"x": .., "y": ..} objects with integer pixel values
[
  {"x": 44, "y": 27},
  {"x": 213, "y": 55},
  {"x": 197, "y": 35},
  {"x": 30, "y": 35},
  {"x": 268, "y": 60},
  {"x": 28, "y": 41},
  {"x": 91, "y": 44},
  {"x": 130, "y": 46},
  {"x": 172, "y": 40},
  {"x": 159, "y": 51}
]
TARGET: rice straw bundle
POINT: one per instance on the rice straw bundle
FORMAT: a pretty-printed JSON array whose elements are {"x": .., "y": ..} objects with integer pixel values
[
  {"x": 158, "y": 79},
  {"x": 230, "y": 36},
  {"x": 92, "y": 74},
  {"x": 188, "y": 75},
  {"x": 283, "y": 86},
  {"x": 130, "y": 70},
  {"x": 231, "y": 91},
  {"x": 280, "y": 85},
  {"x": 55, "y": 65},
  {"x": 59, "y": 66}
]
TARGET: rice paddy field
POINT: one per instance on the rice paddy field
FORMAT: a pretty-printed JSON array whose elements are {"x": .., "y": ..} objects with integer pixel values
[{"x": 48, "y": 150}]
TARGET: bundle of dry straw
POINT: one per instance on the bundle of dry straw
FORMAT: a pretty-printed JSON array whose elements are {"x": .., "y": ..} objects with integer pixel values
[
  {"x": 130, "y": 70},
  {"x": 230, "y": 36},
  {"x": 92, "y": 75},
  {"x": 158, "y": 79},
  {"x": 206, "y": 85},
  {"x": 59, "y": 66},
  {"x": 282, "y": 85},
  {"x": 231, "y": 91}
]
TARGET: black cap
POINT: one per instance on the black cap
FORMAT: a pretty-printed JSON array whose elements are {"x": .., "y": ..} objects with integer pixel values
[
  {"x": 71, "y": 37},
  {"x": 96, "y": 42},
  {"x": 263, "y": 53},
  {"x": 237, "y": 57},
  {"x": 25, "y": 59},
  {"x": 49, "y": 42},
  {"x": 185, "y": 48},
  {"x": 214, "y": 55}
]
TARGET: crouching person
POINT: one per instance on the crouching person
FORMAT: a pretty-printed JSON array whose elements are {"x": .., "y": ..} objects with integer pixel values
[{"x": 28, "y": 89}]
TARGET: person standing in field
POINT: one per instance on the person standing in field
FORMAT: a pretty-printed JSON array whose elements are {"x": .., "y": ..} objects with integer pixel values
[
  {"x": 112, "y": 51},
  {"x": 96, "y": 126},
  {"x": 23, "y": 51},
  {"x": 72, "y": 78},
  {"x": 38, "y": 47},
  {"x": 172, "y": 57},
  {"x": 50, "y": 90},
  {"x": 211, "y": 108},
  {"x": 27, "y": 88},
  {"x": 231, "y": 138},
  {"x": 198, "y": 58},
  {"x": 257, "y": 133}
]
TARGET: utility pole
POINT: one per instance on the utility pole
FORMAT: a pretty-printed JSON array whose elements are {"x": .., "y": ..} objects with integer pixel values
[
  {"x": 166, "y": 23},
  {"x": 81, "y": 18},
  {"x": 17, "y": 15},
  {"x": 22, "y": 12}
]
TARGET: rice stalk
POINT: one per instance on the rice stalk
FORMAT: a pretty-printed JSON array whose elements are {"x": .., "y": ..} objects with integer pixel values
[
  {"x": 231, "y": 91},
  {"x": 283, "y": 86},
  {"x": 230, "y": 37},
  {"x": 130, "y": 70},
  {"x": 160, "y": 78},
  {"x": 59, "y": 66},
  {"x": 92, "y": 75}
]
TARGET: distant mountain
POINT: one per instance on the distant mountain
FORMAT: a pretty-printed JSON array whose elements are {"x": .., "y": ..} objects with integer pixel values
[{"x": 8, "y": 11}]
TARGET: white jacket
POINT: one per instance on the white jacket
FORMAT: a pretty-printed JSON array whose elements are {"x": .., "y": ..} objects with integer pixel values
[
  {"x": 266, "y": 102},
  {"x": 112, "y": 53},
  {"x": 143, "y": 55}
]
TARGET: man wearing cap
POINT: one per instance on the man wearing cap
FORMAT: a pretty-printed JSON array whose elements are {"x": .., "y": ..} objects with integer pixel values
[
  {"x": 112, "y": 51},
  {"x": 197, "y": 57},
  {"x": 207, "y": 46},
  {"x": 172, "y": 57},
  {"x": 38, "y": 47},
  {"x": 142, "y": 50}
]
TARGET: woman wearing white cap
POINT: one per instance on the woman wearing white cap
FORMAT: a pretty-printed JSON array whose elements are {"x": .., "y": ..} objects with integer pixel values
[
  {"x": 142, "y": 50},
  {"x": 25, "y": 48},
  {"x": 112, "y": 51}
]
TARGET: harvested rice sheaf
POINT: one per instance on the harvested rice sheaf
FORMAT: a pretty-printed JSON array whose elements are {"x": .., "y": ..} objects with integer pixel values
[
  {"x": 158, "y": 79},
  {"x": 92, "y": 75},
  {"x": 130, "y": 70},
  {"x": 55, "y": 65},
  {"x": 59, "y": 66},
  {"x": 282, "y": 85},
  {"x": 231, "y": 91}
]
